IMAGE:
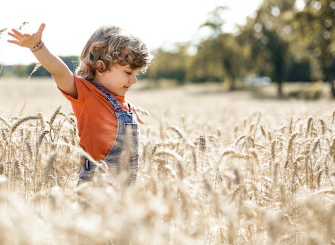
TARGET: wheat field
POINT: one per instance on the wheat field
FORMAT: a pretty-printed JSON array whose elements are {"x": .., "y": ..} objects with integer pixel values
[{"x": 215, "y": 168}]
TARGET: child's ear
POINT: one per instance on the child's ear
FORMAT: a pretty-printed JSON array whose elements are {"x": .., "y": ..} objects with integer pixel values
[{"x": 100, "y": 67}]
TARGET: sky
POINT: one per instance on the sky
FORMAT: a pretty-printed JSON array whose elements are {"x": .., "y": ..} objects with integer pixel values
[{"x": 69, "y": 23}]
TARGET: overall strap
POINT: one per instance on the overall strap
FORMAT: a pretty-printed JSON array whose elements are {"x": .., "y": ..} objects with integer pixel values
[{"x": 116, "y": 105}]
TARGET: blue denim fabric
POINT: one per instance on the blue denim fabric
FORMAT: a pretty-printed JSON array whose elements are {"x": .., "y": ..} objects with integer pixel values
[{"x": 124, "y": 153}]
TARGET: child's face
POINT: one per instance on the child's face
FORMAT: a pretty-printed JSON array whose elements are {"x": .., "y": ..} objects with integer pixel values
[{"x": 118, "y": 79}]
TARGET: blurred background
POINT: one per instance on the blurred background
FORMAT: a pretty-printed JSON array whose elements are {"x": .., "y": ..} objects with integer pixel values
[{"x": 271, "y": 48}]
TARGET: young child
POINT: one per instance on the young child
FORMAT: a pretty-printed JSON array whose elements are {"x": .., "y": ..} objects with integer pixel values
[{"x": 107, "y": 123}]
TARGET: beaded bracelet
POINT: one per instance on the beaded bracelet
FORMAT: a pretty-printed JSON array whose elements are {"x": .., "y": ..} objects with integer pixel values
[{"x": 37, "y": 46}]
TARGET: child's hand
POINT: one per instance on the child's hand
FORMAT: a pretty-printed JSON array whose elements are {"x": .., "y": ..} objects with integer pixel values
[{"x": 26, "y": 40}]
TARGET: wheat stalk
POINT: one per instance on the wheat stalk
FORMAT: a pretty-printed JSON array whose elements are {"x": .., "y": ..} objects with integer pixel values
[
  {"x": 2, "y": 31},
  {"x": 276, "y": 188},
  {"x": 38, "y": 65},
  {"x": 23, "y": 24},
  {"x": 53, "y": 117},
  {"x": 309, "y": 124},
  {"x": 4, "y": 122},
  {"x": 50, "y": 163},
  {"x": 21, "y": 121}
]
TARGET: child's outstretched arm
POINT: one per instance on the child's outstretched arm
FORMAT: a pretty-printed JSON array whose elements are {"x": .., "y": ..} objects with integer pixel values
[{"x": 53, "y": 64}]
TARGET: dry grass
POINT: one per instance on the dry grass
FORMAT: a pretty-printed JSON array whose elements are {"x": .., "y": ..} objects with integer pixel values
[{"x": 215, "y": 168}]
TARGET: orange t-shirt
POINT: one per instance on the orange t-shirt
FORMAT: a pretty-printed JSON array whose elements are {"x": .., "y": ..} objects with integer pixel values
[{"x": 96, "y": 119}]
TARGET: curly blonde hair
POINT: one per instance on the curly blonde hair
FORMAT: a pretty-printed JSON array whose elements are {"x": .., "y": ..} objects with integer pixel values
[{"x": 113, "y": 46}]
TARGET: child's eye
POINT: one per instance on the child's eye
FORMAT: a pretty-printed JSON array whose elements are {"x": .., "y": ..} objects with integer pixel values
[{"x": 129, "y": 73}]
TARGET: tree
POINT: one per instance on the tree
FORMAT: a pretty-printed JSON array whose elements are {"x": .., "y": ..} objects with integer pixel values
[
  {"x": 204, "y": 67},
  {"x": 313, "y": 33},
  {"x": 220, "y": 59},
  {"x": 219, "y": 55},
  {"x": 266, "y": 37},
  {"x": 171, "y": 64}
]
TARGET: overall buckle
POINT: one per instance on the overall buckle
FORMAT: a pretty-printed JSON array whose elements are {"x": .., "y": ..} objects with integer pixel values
[{"x": 87, "y": 165}]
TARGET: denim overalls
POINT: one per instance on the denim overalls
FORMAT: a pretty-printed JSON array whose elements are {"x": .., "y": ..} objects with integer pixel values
[{"x": 125, "y": 150}]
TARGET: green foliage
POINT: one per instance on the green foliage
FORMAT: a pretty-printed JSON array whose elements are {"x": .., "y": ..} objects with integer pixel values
[
  {"x": 284, "y": 41},
  {"x": 287, "y": 40},
  {"x": 315, "y": 23},
  {"x": 312, "y": 93},
  {"x": 170, "y": 65},
  {"x": 298, "y": 71},
  {"x": 204, "y": 66},
  {"x": 218, "y": 59},
  {"x": 20, "y": 70},
  {"x": 25, "y": 70},
  {"x": 40, "y": 72},
  {"x": 71, "y": 61}
]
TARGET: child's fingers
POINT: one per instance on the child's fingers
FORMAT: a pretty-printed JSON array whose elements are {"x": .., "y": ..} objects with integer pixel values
[
  {"x": 13, "y": 35},
  {"x": 17, "y": 32},
  {"x": 13, "y": 41},
  {"x": 40, "y": 30}
]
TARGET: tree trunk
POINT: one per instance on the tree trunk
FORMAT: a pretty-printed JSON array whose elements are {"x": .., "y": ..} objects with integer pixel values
[
  {"x": 332, "y": 88},
  {"x": 280, "y": 89},
  {"x": 328, "y": 77},
  {"x": 232, "y": 83}
]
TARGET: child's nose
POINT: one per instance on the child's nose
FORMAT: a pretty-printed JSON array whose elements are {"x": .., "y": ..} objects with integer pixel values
[{"x": 133, "y": 79}]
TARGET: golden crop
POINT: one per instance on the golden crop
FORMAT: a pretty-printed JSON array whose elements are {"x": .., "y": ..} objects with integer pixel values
[{"x": 215, "y": 168}]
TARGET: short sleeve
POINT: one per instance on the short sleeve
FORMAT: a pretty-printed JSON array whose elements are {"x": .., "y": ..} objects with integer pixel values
[{"x": 78, "y": 85}]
